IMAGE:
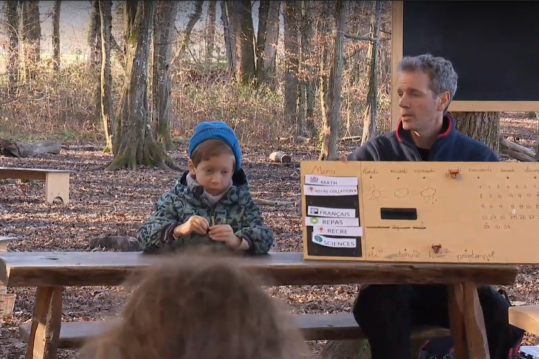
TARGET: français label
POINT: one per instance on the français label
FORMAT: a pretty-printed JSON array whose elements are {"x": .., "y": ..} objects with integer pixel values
[
  {"x": 330, "y": 181},
  {"x": 311, "y": 190},
  {"x": 334, "y": 242},
  {"x": 331, "y": 212},
  {"x": 334, "y": 222}
]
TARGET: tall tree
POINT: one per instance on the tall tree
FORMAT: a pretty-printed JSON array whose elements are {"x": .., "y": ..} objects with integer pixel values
[
  {"x": 210, "y": 33},
  {"x": 332, "y": 94},
  {"x": 105, "y": 16},
  {"x": 291, "y": 50},
  {"x": 244, "y": 38},
  {"x": 162, "y": 41},
  {"x": 266, "y": 64},
  {"x": 31, "y": 36},
  {"x": 56, "y": 34},
  {"x": 13, "y": 48},
  {"x": 135, "y": 143}
]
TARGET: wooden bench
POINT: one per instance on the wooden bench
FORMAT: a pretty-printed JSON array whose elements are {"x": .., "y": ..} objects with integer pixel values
[
  {"x": 525, "y": 317},
  {"x": 56, "y": 181},
  {"x": 314, "y": 327},
  {"x": 51, "y": 271}
]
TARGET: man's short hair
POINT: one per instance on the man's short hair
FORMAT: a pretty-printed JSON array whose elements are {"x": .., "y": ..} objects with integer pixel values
[
  {"x": 441, "y": 73},
  {"x": 209, "y": 149}
]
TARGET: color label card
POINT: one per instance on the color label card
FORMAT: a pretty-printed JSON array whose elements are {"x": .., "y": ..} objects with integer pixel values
[
  {"x": 339, "y": 231},
  {"x": 311, "y": 190},
  {"x": 332, "y": 222},
  {"x": 334, "y": 242},
  {"x": 331, "y": 181},
  {"x": 331, "y": 212}
]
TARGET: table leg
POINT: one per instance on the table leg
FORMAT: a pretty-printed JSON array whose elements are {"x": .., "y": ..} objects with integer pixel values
[
  {"x": 456, "y": 319},
  {"x": 46, "y": 323},
  {"x": 474, "y": 323}
]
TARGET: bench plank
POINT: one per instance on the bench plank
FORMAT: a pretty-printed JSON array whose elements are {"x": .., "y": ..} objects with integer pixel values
[
  {"x": 525, "y": 317},
  {"x": 340, "y": 326},
  {"x": 56, "y": 181},
  {"x": 37, "y": 269}
]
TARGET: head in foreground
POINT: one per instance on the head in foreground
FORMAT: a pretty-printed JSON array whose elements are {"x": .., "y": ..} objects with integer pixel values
[{"x": 203, "y": 308}]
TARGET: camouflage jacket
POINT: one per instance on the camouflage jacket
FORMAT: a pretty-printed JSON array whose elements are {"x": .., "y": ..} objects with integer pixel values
[{"x": 236, "y": 208}]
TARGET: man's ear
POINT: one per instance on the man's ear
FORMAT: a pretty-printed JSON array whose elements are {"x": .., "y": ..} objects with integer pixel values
[
  {"x": 191, "y": 167},
  {"x": 443, "y": 101}
]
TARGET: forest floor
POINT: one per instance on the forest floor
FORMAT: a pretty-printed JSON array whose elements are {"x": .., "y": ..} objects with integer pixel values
[{"x": 104, "y": 203}]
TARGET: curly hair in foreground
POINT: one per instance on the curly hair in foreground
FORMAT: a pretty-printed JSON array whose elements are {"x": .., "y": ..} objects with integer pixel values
[{"x": 199, "y": 307}]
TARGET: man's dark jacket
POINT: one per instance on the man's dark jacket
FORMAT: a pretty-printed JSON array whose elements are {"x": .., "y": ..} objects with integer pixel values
[{"x": 450, "y": 145}]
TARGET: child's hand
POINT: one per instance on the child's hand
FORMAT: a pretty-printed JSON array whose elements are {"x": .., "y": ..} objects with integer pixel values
[
  {"x": 225, "y": 233},
  {"x": 194, "y": 224}
]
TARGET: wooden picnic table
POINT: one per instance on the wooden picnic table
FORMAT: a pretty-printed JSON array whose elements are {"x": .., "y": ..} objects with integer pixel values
[{"x": 51, "y": 271}]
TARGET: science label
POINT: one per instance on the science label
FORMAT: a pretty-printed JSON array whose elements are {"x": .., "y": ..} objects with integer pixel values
[
  {"x": 330, "y": 181},
  {"x": 311, "y": 190},
  {"x": 331, "y": 212},
  {"x": 338, "y": 231},
  {"x": 334, "y": 242},
  {"x": 332, "y": 222}
]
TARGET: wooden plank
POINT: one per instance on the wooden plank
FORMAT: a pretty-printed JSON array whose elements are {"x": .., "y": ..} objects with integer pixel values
[
  {"x": 341, "y": 326},
  {"x": 525, "y": 317},
  {"x": 38, "y": 269},
  {"x": 29, "y": 173}
]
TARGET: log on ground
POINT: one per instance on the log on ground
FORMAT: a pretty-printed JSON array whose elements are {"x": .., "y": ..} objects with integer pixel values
[
  {"x": 280, "y": 157},
  {"x": 517, "y": 151},
  {"x": 21, "y": 149}
]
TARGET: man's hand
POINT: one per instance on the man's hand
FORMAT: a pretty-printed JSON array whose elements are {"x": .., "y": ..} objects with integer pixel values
[
  {"x": 225, "y": 233},
  {"x": 344, "y": 159},
  {"x": 195, "y": 224}
]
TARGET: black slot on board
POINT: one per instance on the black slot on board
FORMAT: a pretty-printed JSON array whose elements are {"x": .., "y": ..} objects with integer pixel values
[{"x": 337, "y": 202}]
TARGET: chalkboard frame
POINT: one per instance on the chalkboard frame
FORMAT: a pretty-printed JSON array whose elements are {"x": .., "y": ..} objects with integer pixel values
[{"x": 397, "y": 39}]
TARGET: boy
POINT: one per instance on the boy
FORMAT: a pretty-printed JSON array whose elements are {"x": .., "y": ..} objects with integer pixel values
[{"x": 210, "y": 203}]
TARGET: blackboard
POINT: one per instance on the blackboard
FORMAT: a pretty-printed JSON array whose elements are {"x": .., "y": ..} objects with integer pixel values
[{"x": 494, "y": 47}]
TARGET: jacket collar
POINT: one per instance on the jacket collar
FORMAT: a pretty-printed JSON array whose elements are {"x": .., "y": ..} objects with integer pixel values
[{"x": 449, "y": 130}]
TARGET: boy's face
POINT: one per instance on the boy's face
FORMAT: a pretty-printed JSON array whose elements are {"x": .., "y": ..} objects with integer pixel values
[{"x": 214, "y": 174}]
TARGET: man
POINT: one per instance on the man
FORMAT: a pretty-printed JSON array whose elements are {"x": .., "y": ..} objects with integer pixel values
[{"x": 425, "y": 132}]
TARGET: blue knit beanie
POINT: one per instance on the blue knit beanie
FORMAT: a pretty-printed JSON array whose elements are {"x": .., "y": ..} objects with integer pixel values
[{"x": 216, "y": 130}]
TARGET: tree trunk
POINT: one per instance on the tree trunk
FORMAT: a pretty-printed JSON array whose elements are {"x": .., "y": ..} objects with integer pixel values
[
  {"x": 244, "y": 38},
  {"x": 291, "y": 50},
  {"x": 31, "y": 36},
  {"x": 193, "y": 19},
  {"x": 135, "y": 143},
  {"x": 369, "y": 122},
  {"x": 56, "y": 35},
  {"x": 482, "y": 126},
  {"x": 228, "y": 32},
  {"x": 266, "y": 67},
  {"x": 308, "y": 82},
  {"x": 105, "y": 13},
  {"x": 13, "y": 49},
  {"x": 94, "y": 42},
  {"x": 210, "y": 36},
  {"x": 263, "y": 12},
  {"x": 333, "y": 98},
  {"x": 162, "y": 39}
]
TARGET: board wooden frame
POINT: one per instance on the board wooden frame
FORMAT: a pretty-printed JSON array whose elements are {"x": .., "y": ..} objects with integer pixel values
[{"x": 455, "y": 106}]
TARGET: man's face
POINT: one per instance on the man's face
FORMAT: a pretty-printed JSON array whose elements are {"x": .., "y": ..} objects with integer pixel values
[{"x": 419, "y": 108}]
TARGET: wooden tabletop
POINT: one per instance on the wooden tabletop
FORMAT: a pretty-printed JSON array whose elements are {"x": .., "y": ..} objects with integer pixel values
[{"x": 33, "y": 269}]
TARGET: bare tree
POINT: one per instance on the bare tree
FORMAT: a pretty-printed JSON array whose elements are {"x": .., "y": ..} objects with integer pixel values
[
  {"x": 31, "y": 36},
  {"x": 291, "y": 49},
  {"x": 244, "y": 39},
  {"x": 56, "y": 34},
  {"x": 193, "y": 19},
  {"x": 369, "y": 122},
  {"x": 210, "y": 33},
  {"x": 332, "y": 96},
  {"x": 134, "y": 143},
  {"x": 105, "y": 15},
  {"x": 13, "y": 48},
  {"x": 228, "y": 32},
  {"x": 162, "y": 31},
  {"x": 307, "y": 93}
]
